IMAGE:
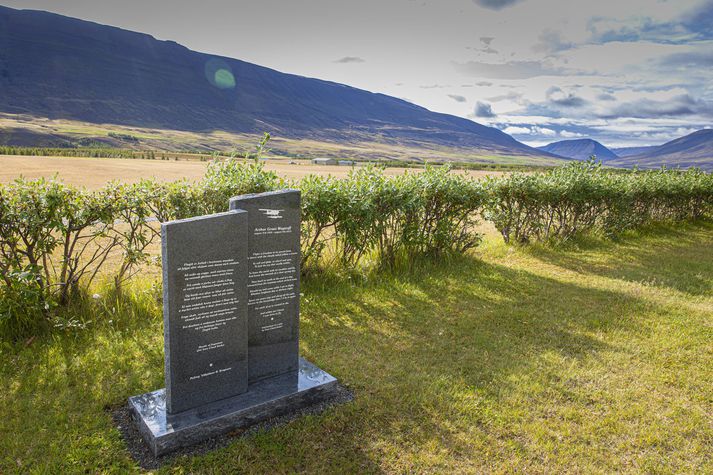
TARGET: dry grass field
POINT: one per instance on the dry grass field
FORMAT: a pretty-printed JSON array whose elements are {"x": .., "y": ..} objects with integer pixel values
[{"x": 95, "y": 172}]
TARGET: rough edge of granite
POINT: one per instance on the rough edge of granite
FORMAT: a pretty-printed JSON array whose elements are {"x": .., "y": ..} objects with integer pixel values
[{"x": 143, "y": 456}]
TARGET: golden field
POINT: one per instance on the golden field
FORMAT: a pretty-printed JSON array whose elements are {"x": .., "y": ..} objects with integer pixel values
[{"x": 95, "y": 172}]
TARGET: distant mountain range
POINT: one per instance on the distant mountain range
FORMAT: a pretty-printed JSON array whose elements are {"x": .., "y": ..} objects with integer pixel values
[
  {"x": 693, "y": 150},
  {"x": 579, "y": 149},
  {"x": 63, "y": 68}
]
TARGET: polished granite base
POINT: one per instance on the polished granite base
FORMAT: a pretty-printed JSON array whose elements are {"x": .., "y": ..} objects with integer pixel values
[{"x": 265, "y": 399}]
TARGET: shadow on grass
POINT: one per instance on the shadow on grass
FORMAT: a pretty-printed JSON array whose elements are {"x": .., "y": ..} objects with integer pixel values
[
  {"x": 680, "y": 258},
  {"x": 412, "y": 345}
]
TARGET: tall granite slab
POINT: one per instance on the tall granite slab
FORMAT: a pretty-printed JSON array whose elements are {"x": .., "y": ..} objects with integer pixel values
[
  {"x": 273, "y": 281},
  {"x": 205, "y": 309}
]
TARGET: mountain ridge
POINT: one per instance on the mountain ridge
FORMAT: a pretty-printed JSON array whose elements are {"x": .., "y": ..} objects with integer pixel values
[
  {"x": 65, "y": 68},
  {"x": 579, "y": 149},
  {"x": 692, "y": 150}
]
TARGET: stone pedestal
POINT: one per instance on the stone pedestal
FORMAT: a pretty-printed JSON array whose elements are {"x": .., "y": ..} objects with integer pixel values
[{"x": 265, "y": 399}]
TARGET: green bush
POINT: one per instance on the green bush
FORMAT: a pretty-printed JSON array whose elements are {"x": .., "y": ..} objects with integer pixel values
[
  {"x": 54, "y": 239},
  {"x": 322, "y": 200},
  {"x": 22, "y": 304},
  {"x": 449, "y": 209},
  {"x": 231, "y": 177},
  {"x": 428, "y": 213}
]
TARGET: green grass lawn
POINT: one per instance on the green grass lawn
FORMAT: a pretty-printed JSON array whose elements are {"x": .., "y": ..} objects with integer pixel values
[{"x": 594, "y": 357}]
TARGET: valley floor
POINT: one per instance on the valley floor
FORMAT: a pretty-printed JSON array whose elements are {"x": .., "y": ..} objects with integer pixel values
[{"x": 592, "y": 358}]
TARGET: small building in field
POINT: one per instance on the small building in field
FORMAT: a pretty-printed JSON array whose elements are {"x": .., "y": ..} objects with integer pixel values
[
  {"x": 346, "y": 163},
  {"x": 324, "y": 161}
]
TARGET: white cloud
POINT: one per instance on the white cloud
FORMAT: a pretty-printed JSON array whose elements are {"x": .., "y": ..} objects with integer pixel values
[
  {"x": 512, "y": 130},
  {"x": 544, "y": 131},
  {"x": 570, "y": 135}
]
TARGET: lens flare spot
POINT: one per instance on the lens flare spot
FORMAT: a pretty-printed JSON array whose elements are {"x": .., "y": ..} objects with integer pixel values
[
  {"x": 224, "y": 79},
  {"x": 219, "y": 74}
]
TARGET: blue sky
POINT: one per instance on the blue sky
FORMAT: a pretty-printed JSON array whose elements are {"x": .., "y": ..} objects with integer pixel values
[{"x": 625, "y": 72}]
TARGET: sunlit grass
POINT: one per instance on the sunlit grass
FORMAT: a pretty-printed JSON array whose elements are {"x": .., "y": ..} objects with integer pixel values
[{"x": 594, "y": 357}]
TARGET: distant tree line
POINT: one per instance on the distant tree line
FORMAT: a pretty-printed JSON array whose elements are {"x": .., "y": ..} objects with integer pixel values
[
  {"x": 96, "y": 152},
  {"x": 124, "y": 137}
]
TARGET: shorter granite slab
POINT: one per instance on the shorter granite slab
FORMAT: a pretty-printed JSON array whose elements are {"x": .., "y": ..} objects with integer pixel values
[
  {"x": 205, "y": 309},
  {"x": 265, "y": 399}
]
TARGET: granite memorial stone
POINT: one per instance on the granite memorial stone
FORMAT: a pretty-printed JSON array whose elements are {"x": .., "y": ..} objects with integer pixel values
[{"x": 231, "y": 286}]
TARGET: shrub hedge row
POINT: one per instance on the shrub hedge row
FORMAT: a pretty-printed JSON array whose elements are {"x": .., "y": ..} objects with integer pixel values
[
  {"x": 370, "y": 213},
  {"x": 584, "y": 197},
  {"x": 55, "y": 239}
]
